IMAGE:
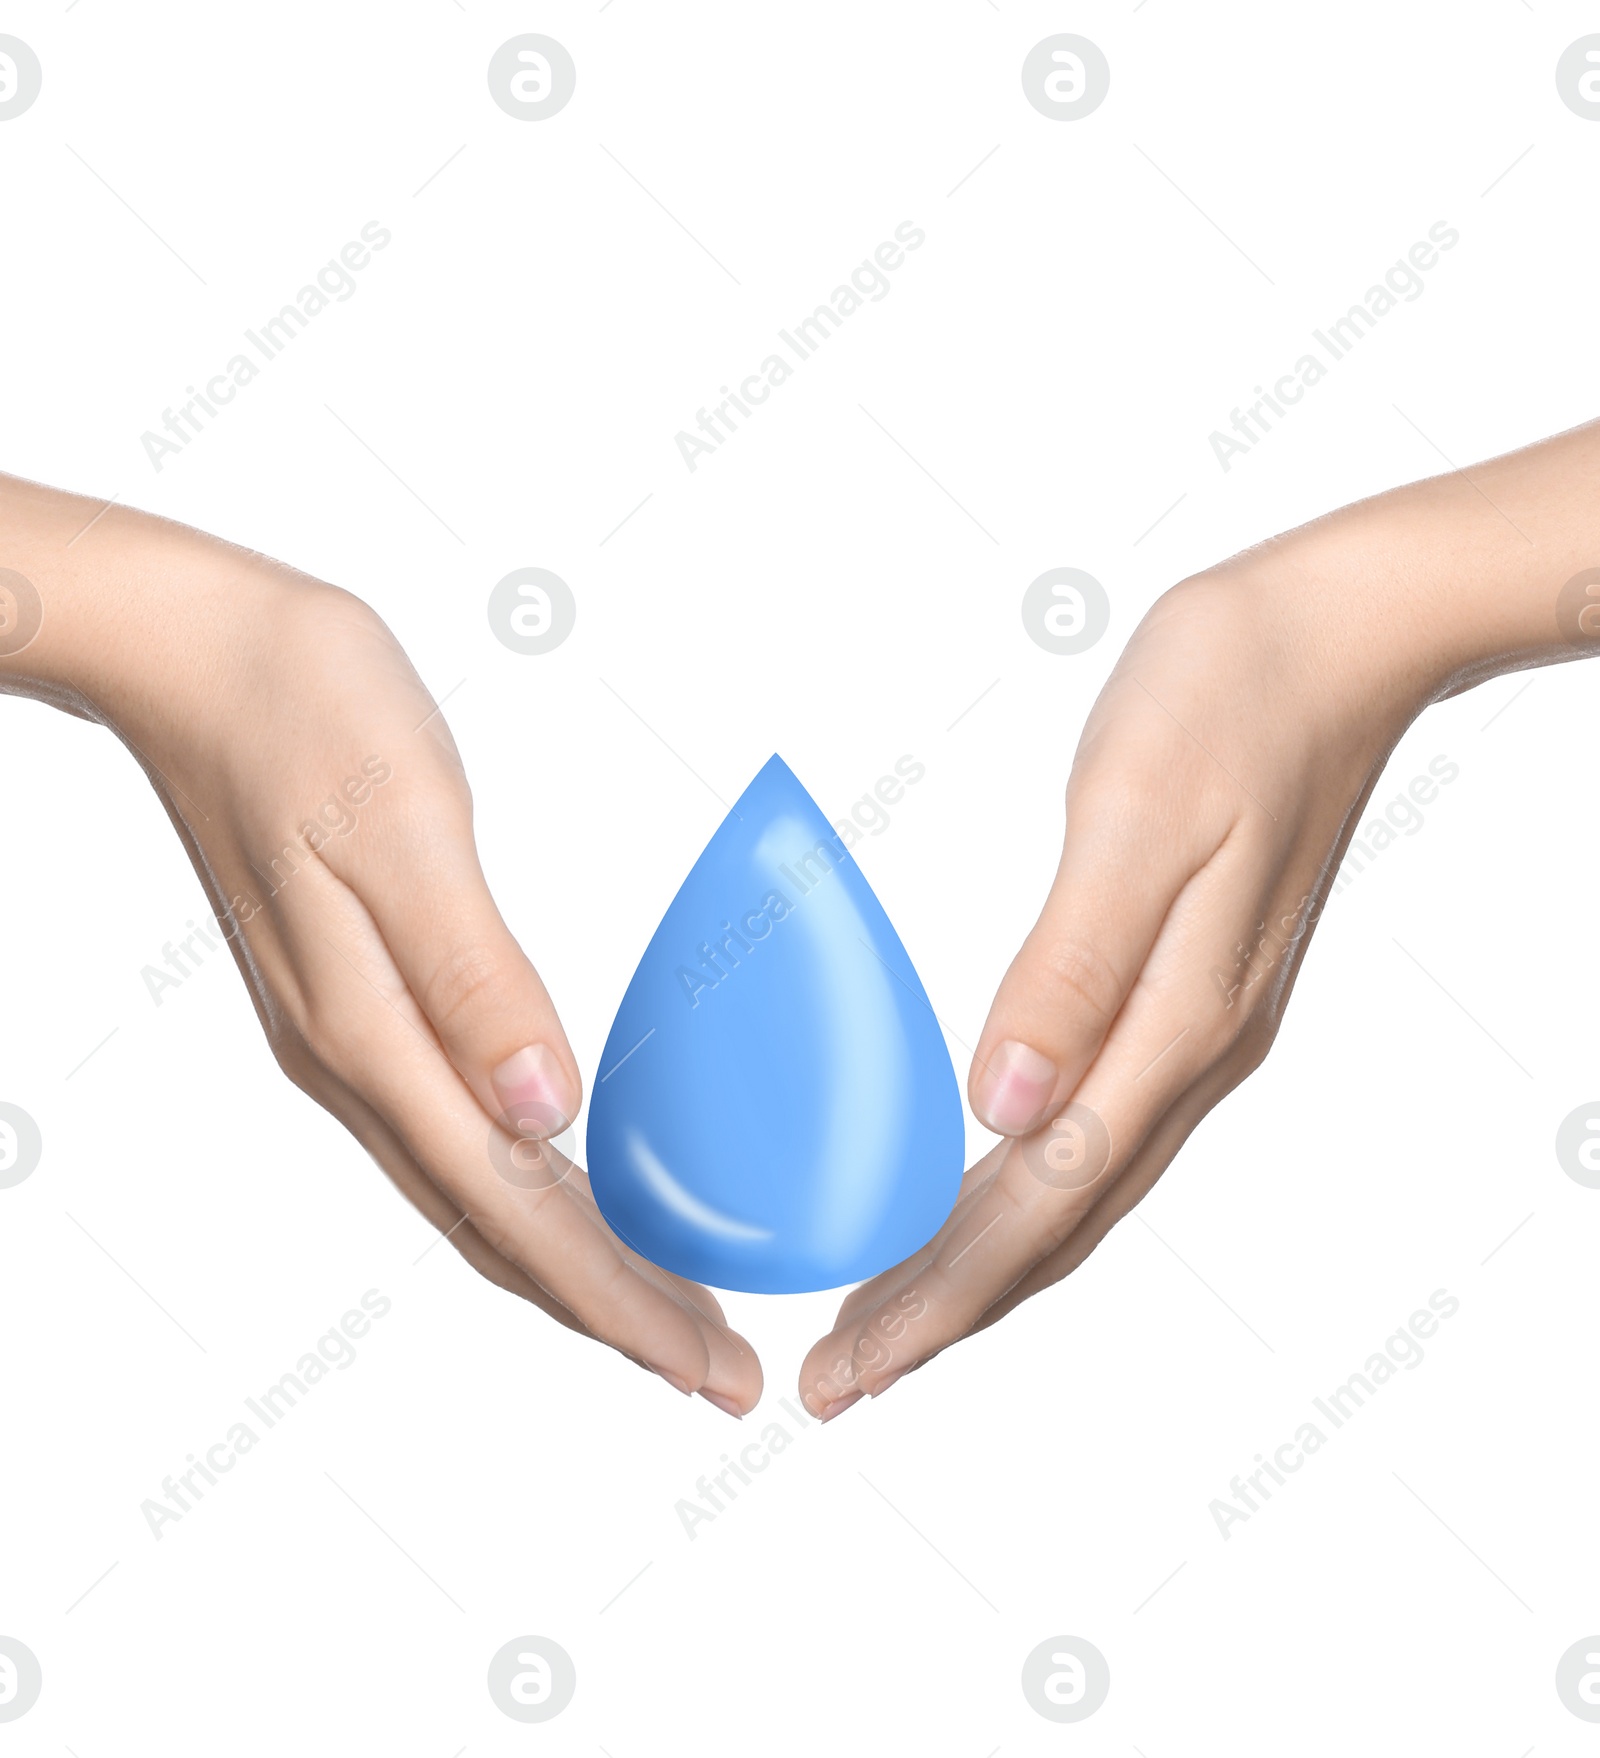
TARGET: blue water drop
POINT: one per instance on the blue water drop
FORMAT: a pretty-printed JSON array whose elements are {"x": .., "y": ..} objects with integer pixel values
[{"x": 775, "y": 1110}]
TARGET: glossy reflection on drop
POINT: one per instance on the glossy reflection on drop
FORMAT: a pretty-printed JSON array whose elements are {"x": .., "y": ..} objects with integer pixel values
[
  {"x": 868, "y": 1076},
  {"x": 677, "y": 1199}
]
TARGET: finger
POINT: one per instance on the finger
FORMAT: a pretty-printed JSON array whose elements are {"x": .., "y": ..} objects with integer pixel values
[
  {"x": 1172, "y": 1033},
  {"x": 417, "y": 871},
  {"x": 389, "y": 1153},
  {"x": 1005, "y": 1228},
  {"x": 734, "y": 1379},
  {"x": 260, "y": 953},
  {"x": 1161, "y": 1147},
  {"x": 1118, "y": 1201},
  {"x": 1135, "y": 836},
  {"x": 863, "y": 1299},
  {"x": 735, "y": 1366},
  {"x": 364, "y": 1026}
]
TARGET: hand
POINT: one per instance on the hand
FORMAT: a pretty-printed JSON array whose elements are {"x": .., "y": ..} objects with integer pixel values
[
  {"x": 323, "y": 803},
  {"x": 1219, "y": 777}
]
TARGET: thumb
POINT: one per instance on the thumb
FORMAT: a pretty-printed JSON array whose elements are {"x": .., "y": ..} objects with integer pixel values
[{"x": 1120, "y": 871}]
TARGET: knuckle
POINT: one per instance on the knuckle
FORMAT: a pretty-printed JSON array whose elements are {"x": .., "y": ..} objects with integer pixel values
[
  {"x": 607, "y": 1286},
  {"x": 1081, "y": 978},
  {"x": 1228, "y": 1006},
  {"x": 1210, "y": 1047},
  {"x": 1046, "y": 1218},
  {"x": 470, "y": 977},
  {"x": 308, "y": 1063},
  {"x": 500, "y": 1234},
  {"x": 1112, "y": 800},
  {"x": 295, "y": 1061},
  {"x": 285, "y": 1021},
  {"x": 1239, "y": 1042},
  {"x": 326, "y": 1040},
  {"x": 1255, "y": 1040}
]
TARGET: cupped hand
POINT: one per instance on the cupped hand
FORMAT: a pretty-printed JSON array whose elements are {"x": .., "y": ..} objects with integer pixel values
[
  {"x": 1218, "y": 781},
  {"x": 321, "y": 798},
  {"x": 1218, "y": 773}
]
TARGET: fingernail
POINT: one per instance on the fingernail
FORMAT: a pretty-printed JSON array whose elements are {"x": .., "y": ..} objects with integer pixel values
[
  {"x": 534, "y": 1092},
  {"x": 673, "y": 1381},
  {"x": 839, "y": 1406},
  {"x": 890, "y": 1381},
  {"x": 723, "y": 1404},
  {"x": 1014, "y": 1089}
]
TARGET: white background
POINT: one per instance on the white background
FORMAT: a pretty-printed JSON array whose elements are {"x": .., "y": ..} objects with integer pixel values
[{"x": 1055, "y": 356}]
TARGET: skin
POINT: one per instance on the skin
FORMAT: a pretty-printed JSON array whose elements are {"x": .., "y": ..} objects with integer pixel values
[
  {"x": 1219, "y": 778},
  {"x": 387, "y": 984}
]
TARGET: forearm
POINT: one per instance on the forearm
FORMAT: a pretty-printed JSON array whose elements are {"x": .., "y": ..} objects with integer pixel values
[
  {"x": 118, "y": 615},
  {"x": 1428, "y": 589},
  {"x": 148, "y": 626}
]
